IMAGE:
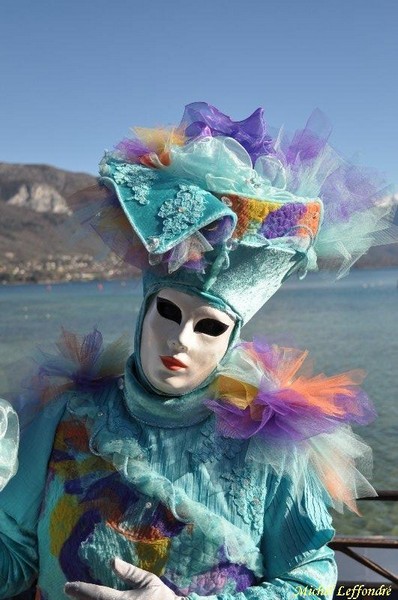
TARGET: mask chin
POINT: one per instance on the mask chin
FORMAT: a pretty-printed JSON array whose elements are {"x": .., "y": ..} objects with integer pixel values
[{"x": 213, "y": 302}]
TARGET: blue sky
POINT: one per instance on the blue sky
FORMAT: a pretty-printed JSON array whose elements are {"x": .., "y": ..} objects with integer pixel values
[{"x": 76, "y": 74}]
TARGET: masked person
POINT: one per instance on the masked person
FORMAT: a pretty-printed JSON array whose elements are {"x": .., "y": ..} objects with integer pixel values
[{"x": 207, "y": 469}]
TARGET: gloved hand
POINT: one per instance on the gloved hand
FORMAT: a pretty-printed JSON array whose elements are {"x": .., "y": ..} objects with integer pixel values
[{"x": 145, "y": 586}]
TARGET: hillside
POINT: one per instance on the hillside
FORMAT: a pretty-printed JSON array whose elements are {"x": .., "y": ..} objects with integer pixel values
[{"x": 34, "y": 245}]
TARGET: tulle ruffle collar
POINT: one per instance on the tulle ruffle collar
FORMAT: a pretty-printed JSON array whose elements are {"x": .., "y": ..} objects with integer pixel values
[{"x": 263, "y": 394}]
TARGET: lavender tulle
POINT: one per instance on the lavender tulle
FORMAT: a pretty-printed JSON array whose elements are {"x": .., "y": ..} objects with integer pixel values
[
  {"x": 131, "y": 149},
  {"x": 313, "y": 167},
  {"x": 79, "y": 364}
]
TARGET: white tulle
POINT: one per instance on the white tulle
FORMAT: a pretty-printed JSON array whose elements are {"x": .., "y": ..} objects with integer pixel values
[
  {"x": 9, "y": 441},
  {"x": 222, "y": 165}
]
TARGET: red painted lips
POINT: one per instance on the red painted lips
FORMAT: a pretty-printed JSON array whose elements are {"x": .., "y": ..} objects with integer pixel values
[{"x": 172, "y": 363}]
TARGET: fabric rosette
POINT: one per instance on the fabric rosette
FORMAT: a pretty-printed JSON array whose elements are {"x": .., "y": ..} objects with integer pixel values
[{"x": 268, "y": 395}]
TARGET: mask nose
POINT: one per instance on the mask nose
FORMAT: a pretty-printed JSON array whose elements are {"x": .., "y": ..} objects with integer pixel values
[{"x": 176, "y": 345}]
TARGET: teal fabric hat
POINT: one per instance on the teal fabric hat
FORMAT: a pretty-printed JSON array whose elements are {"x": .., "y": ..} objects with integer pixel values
[
  {"x": 231, "y": 259},
  {"x": 251, "y": 278},
  {"x": 218, "y": 208},
  {"x": 163, "y": 210}
]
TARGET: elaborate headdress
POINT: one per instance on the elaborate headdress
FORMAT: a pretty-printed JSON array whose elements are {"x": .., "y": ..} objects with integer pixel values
[{"x": 218, "y": 207}]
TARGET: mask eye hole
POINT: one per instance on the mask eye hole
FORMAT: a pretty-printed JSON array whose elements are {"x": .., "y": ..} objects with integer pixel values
[
  {"x": 168, "y": 310},
  {"x": 211, "y": 327}
]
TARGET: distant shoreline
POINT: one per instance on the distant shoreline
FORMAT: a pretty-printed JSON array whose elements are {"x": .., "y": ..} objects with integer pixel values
[{"x": 135, "y": 276}]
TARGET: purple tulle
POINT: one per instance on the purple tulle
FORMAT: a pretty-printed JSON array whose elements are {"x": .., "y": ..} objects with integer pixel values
[
  {"x": 344, "y": 187},
  {"x": 196, "y": 265},
  {"x": 358, "y": 188},
  {"x": 78, "y": 364},
  {"x": 201, "y": 120},
  {"x": 280, "y": 411},
  {"x": 283, "y": 415},
  {"x": 131, "y": 149},
  {"x": 308, "y": 143},
  {"x": 171, "y": 256},
  {"x": 218, "y": 231}
]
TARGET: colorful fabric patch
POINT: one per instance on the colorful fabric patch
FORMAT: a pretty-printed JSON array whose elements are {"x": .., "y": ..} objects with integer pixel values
[
  {"x": 275, "y": 219},
  {"x": 91, "y": 514}
]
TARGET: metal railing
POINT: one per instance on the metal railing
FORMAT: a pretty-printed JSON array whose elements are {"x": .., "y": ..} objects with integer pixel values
[{"x": 344, "y": 543}]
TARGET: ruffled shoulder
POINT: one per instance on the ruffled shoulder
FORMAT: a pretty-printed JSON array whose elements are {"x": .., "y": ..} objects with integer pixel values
[
  {"x": 268, "y": 394},
  {"x": 80, "y": 363}
]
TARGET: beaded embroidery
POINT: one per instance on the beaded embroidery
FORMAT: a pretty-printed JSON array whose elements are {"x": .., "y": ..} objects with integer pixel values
[
  {"x": 182, "y": 211},
  {"x": 138, "y": 179}
]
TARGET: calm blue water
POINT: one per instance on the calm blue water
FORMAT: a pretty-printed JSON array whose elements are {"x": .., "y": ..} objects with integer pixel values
[{"x": 349, "y": 324}]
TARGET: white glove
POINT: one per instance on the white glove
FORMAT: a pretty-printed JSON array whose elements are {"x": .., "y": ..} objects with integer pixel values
[{"x": 145, "y": 586}]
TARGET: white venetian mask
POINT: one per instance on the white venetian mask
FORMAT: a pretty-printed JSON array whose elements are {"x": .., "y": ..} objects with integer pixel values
[{"x": 183, "y": 340}]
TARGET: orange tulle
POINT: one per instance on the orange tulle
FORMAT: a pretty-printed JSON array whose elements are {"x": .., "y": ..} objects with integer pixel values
[
  {"x": 159, "y": 139},
  {"x": 284, "y": 363},
  {"x": 71, "y": 346},
  {"x": 321, "y": 391},
  {"x": 337, "y": 487}
]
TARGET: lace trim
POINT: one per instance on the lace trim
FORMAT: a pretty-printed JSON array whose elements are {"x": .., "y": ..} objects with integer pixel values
[
  {"x": 248, "y": 497},
  {"x": 138, "y": 179},
  {"x": 184, "y": 210}
]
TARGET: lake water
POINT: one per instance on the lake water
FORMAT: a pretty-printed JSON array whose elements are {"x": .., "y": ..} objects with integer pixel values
[{"x": 349, "y": 324}]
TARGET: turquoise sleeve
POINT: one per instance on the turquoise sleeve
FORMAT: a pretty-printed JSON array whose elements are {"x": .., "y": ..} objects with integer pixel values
[{"x": 21, "y": 500}]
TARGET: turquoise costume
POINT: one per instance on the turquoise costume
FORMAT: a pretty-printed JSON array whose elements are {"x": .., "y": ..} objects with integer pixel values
[
  {"x": 97, "y": 481},
  {"x": 222, "y": 492}
]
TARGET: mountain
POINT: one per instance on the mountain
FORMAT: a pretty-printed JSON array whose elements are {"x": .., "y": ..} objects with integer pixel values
[{"x": 34, "y": 243}]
